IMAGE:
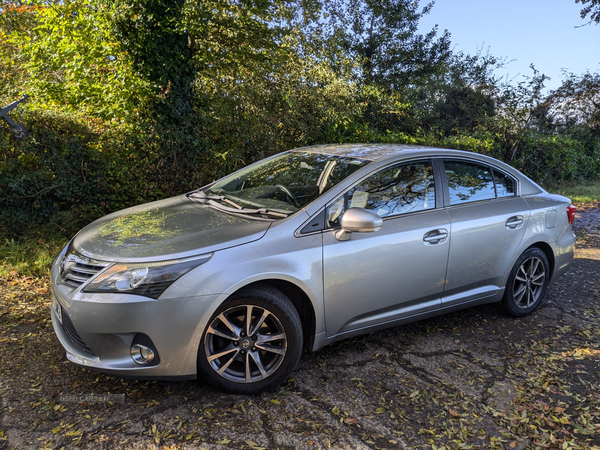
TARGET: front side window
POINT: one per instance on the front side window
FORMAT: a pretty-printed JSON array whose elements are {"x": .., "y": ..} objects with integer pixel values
[
  {"x": 468, "y": 181},
  {"x": 395, "y": 190}
]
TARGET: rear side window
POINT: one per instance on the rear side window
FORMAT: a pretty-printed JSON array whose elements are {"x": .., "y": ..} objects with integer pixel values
[
  {"x": 505, "y": 184},
  {"x": 468, "y": 181}
]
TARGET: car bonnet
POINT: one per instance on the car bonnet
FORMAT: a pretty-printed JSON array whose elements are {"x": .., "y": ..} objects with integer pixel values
[{"x": 172, "y": 228}]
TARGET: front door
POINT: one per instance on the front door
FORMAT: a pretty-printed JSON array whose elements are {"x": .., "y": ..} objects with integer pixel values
[{"x": 396, "y": 272}]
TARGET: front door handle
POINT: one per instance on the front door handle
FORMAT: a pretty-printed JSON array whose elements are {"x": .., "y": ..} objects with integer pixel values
[
  {"x": 514, "y": 222},
  {"x": 435, "y": 236}
]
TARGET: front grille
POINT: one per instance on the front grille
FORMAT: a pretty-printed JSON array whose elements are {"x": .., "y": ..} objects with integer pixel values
[
  {"x": 76, "y": 269},
  {"x": 73, "y": 335}
]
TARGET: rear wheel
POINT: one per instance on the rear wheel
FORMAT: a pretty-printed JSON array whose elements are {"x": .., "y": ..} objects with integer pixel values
[
  {"x": 527, "y": 283},
  {"x": 252, "y": 343}
]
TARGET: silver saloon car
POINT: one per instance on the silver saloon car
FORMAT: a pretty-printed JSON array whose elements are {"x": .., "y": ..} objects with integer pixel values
[{"x": 231, "y": 281}]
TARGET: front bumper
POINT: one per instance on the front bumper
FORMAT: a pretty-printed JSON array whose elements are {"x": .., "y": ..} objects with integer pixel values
[{"x": 97, "y": 331}]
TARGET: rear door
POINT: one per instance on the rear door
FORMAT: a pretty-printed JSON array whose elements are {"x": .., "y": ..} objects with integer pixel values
[{"x": 488, "y": 221}]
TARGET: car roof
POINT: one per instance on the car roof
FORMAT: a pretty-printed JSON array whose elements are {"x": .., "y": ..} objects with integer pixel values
[
  {"x": 367, "y": 152},
  {"x": 378, "y": 152},
  {"x": 385, "y": 152}
]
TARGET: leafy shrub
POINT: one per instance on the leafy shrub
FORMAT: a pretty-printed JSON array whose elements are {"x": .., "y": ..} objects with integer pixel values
[{"x": 73, "y": 169}]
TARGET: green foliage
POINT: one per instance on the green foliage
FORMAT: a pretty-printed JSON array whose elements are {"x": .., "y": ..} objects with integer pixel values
[
  {"x": 70, "y": 60},
  {"x": 553, "y": 159},
  {"x": 382, "y": 36},
  {"x": 14, "y": 19},
  {"x": 170, "y": 42},
  {"x": 518, "y": 118},
  {"x": 150, "y": 34},
  {"x": 132, "y": 102},
  {"x": 577, "y": 102},
  {"x": 74, "y": 169},
  {"x": 591, "y": 8},
  {"x": 580, "y": 192},
  {"x": 463, "y": 108},
  {"x": 292, "y": 101},
  {"x": 31, "y": 254}
]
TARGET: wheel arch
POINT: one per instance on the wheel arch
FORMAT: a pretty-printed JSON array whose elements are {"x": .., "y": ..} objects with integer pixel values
[
  {"x": 545, "y": 247},
  {"x": 301, "y": 302}
]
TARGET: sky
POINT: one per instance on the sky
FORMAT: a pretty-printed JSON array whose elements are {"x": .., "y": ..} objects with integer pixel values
[{"x": 539, "y": 32}]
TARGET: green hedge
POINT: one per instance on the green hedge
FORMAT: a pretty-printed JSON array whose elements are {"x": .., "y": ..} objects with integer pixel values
[{"x": 73, "y": 169}]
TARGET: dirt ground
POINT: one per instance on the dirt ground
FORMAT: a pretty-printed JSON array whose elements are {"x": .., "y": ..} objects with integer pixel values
[{"x": 471, "y": 379}]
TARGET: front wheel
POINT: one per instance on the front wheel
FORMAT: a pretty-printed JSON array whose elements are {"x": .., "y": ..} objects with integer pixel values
[
  {"x": 527, "y": 283},
  {"x": 252, "y": 343}
]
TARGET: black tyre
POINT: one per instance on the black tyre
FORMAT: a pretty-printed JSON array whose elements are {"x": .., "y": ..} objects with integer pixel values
[
  {"x": 253, "y": 342},
  {"x": 527, "y": 283}
]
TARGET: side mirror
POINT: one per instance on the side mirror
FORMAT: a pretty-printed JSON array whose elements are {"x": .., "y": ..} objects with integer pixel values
[{"x": 359, "y": 220}]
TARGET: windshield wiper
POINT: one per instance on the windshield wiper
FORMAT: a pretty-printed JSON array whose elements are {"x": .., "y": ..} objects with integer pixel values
[
  {"x": 203, "y": 196},
  {"x": 264, "y": 211},
  {"x": 239, "y": 209}
]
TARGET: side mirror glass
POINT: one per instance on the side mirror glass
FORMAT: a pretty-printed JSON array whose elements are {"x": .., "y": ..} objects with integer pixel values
[{"x": 358, "y": 220}]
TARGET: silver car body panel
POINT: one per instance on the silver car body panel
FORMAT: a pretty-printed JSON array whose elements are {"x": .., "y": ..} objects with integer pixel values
[
  {"x": 172, "y": 228},
  {"x": 372, "y": 281},
  {"x": 394, "y": 258},
  {"x": 482, "y": 244}
]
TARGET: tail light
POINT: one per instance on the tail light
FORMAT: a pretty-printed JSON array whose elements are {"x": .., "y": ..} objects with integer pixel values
[{"x": 571, "y": 214}]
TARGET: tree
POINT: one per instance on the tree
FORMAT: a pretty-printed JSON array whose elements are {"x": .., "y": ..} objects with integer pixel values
[
  {"x": 173, "y": 42},
  {"x": 15, "y": 17},
  {"x": 577, "y": 101},
  {"x": 377, "y": 43},
  {"x": 382, "y": 36},
  {"x": 121, "y": 58},
  {"x": 518, "y": 112},
  {"x": 462, "y": 95},
  {"x": 69, "y": 59},
  {"x": 591, "y": 7},
  {"x": 462, "y": 109}
]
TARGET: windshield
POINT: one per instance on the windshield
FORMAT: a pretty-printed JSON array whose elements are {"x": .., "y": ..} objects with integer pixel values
[{"x": 287, "y": 182}]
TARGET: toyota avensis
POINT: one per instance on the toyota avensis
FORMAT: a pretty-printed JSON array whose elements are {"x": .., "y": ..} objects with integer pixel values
[{"x": 302, "y": 249}]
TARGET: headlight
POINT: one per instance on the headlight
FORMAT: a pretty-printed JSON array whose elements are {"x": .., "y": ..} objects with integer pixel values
[{"x": 149, "y": 280}]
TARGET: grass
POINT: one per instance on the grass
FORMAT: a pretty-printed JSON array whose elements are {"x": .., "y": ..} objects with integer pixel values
[
  {"x": 580, "y": 192},
  {"x": 30, "y": 254}
]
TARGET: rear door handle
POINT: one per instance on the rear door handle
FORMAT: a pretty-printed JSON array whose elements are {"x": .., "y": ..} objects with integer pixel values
[
  {"x": 435, "y": 236},
  {"x": 514, "y": 222}
]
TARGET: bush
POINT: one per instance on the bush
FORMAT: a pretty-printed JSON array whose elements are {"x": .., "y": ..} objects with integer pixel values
[
  {"x": 554, "y": 159},
  {"x": 73, "y": 169}
]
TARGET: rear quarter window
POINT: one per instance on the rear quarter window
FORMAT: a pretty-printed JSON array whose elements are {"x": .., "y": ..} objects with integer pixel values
[{"x": 506, "y": 186}]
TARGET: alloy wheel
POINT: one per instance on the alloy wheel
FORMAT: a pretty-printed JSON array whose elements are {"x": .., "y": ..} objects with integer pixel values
[
  {"x": 529, "y": 282},
  {"x": 245, "y": 344}
]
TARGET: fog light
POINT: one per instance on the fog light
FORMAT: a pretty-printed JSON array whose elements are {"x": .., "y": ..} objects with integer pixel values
[{"x": 142, "y": 354}]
